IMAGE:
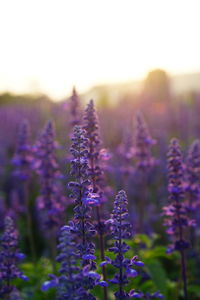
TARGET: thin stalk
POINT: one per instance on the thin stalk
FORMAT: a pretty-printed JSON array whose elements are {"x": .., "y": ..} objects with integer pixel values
[
  {"x": 102, "y": 252},
  {"x": 142, "y": 201},
  {"x": 101, "y": 236},
  {"x": 182, "y": 252},
  {"x": 120, "y": 254},
  {"x": 29, "y": 220},
  {"x": 52, "y": 248},
  {"x": 184, "y": 277}
]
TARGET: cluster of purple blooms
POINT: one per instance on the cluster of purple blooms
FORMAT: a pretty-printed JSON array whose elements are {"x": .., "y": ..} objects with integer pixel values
[
  {"x": 77, "y": 250},
  {"x": 82, "y": 194},
  {"x": 74, "y": 108},
  {"x": 23, "y": 157},
  {"x": 143, "y": 144},
  {"x": 95, "y": 174},
  {"x": 176, "y": 213},
  {"x": 74, "y": 281},
  {"x": 121, "y": 230},
  {"x": 10, "y": 257},
  {"x": 51, "y": 199},
  {"x": 192, "y": 177},
  {"x": 92, "y": 133},
  {"x": 78, "y": 274},
  {"x": 177, "y": 217},
  {"x": 76, "y": 239}
]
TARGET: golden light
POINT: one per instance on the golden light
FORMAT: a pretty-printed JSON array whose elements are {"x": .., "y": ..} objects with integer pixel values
[{"x": 51, "y": 45}]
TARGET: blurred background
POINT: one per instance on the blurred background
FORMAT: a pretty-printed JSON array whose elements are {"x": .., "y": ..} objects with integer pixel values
[
  {"x": 47, "y": 47},
  {"x": 128, "y": 56}
]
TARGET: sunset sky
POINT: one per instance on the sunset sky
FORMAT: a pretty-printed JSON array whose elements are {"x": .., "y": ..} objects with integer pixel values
[{"x": 51, "y": 45}]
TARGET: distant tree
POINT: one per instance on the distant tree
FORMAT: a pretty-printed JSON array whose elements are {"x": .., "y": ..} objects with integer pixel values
[{"x": 157, "y": 85}]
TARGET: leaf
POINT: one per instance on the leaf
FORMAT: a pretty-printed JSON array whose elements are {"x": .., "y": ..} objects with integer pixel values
[{"x": 158, "y": 275}]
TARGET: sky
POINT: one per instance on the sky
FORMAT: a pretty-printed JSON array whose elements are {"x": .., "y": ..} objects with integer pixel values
[{"x": 49, "y": 46}]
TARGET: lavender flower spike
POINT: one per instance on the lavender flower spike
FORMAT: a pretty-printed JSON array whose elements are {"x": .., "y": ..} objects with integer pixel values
[
  {"x": 51, "y": 200},
  {"x": 73, "y": 283},
  {"x": 81, "y": 193},
  {"x": 121, "y": 229},
  {"x": 143, "y": 144},
  {"x": 192, "y": 183},
  {"x": 9, "y": 258},
  {"x": 75, "y": 108},
  {"x": 144, "y": 163},
  {"x": 23, "y": 157},
  {"x": 23, "y": 161},
  {"x": 95, "y": 174},
  {"x": 176, "y": 212},
  {"x": 91, "y": 127}
]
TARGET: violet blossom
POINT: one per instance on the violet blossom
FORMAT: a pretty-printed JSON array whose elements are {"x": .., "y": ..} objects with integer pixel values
[
  {"x": 177, "y": 220},
  {"x": 192, "y": 179},
  {"x": 51, "y": 199},
  {"x": 10, "y": 257},
  {"x": 75, "y": 109},
  {"x": 81, "y": 193},
  {"x": 96, "y": 174},
  {"x": 74, "y": 282},
  {"x": 23, "y": 157},
  {"x": 143, "y": 144},
  {"x": 122, "y": 230}
]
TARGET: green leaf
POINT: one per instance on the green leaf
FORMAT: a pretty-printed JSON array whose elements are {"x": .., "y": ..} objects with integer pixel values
[{"x": 157, "y": 274}]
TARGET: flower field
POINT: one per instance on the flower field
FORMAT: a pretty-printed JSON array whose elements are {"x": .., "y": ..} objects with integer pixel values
[{"x": 100, "y": 201}]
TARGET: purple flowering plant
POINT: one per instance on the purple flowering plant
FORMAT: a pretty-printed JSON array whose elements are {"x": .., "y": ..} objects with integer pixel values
[
  {"x": 10, "y": 257},
  {"x": 177, "y": 219},
  {"x": 95, "y": 173},
  {"x": 121, "y": 230},
  {"x": 51, "y": 200}
]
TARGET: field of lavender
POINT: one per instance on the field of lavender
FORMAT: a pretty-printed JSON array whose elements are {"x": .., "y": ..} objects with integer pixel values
[{"x": 100, "y": 201}]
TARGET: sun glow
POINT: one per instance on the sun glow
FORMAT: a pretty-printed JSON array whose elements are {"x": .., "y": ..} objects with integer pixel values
[{"x": 49, "y": 45}]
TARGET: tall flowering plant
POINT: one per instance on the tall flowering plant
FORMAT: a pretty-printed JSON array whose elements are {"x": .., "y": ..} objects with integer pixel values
[
  {"x": 74, "y": 281},
  {"x": 74, "y": 108},
  {"x": 51, "y": 200},
  {"x": 192, "y": 184},
  {"x": 121, "y": 230},
  {"x": 143, "y": 144},
  {"x": 144, "y": 163},
  {"x": 82, "y": 194},
  {"x": 77, "y": 251},
  {"x": 23, "y": 157},
  {"x": 23, "y": 162},
  {"x": 10, "y": 257},
  {"x": 126, "y": 153},
  {"x": 96, "y": 174},
  {"x": 177, "y": 220}
]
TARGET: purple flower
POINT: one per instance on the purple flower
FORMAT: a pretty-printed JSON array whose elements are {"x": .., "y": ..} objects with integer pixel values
[
  {"x": 23, "y": 157},
  {"x": 92, "y": 199},
  {"x": 75, "y": 108},
  {"x": 192, "y": 179},
  {"x": 96, "y": 175},
  {"x": 143, "y": 144},
  {"x": 51, "y": 199},
  {"x": 91, "y": 127},
  {"x": 121, "y": 229},
  {"x": 136, "y": 295},
  {"x": 176, "y": 213},
  {"x": 9, "y": 258},
  {"x": 126, "y": 151},
  {"x": 80, "y": 188},
  {"x": 74, "y": 281}
]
